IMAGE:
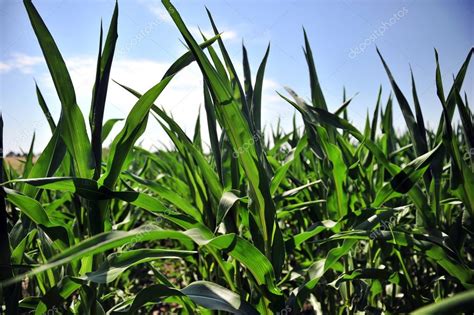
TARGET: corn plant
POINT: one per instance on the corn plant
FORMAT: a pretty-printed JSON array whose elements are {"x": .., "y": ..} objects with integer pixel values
[{"x": 325, "y": 218}]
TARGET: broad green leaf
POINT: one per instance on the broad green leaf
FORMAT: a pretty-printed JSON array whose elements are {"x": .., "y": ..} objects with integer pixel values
[
  {"x": 33, "y": 210},
  {"x": 206, "y": 294},
  {"x": 240, "y": 135},
  {"x": 107, "y": 128},
  {"x": 73, "y": 129},
  {"x": 132, "y": 130},
  {"x": 227, "y": 201},
  {"x": 117, "y": 263},
  {"x": 90, "y": 190},
  {"x": 459, "y": 303}
]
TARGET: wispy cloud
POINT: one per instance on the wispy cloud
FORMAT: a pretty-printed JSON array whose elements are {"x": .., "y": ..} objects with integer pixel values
[
  {"x": 227, "y": 34},
  {"x": 160, "y": 12},
  {"x": 4, "y": 67},
  {"x": 21, "y": 62},
  {"x": 157, "y": 8},
  {"x": 182, "y": 98}
]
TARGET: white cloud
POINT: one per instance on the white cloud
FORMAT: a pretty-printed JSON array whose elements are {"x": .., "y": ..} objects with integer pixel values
[
  {"x": 157, "y": 8},
  {"x": 161, "y": 13},
  {"x": 181, "y": 98},
  {"x": 4, "y": 67},
  {"x": 22, "y": 62},
  {"x": 226, "y": 34}
]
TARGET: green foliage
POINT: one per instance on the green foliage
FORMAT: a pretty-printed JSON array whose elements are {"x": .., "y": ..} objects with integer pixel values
[{"x": 327, "y": 217}]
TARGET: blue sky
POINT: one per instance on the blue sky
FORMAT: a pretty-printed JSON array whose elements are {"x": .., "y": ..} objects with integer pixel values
[{"x": 343, "y": 35}]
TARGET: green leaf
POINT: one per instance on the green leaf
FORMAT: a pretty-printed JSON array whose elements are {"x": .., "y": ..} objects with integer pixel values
[
  {"x": 104, "y": 65},
  {"x": 419, "y": 141},
  {"x": 101, "y": 243},
  {"x": 212, "y": 127},
  {"x": 227, "y": 201},
  {"x": 338, "y": 171},
  {"x": 90, "y": 190},
  {"x": 450, "y": 102},
  {"x": 167, "y": 194},
  {"x": 48, "y": 162},
  {"x": 9, "y": 294},
  {"x": 132, "y": 130},
  {"x": 282, "y": 170},
  {"x": 240, "y": 135},
  {"x": 256, "y": 105},
  {"x": 459, "y": 303},
  {"x": 73, "y": 129},
  {"x": 187, "y": 58},
  {"x": 117, "y": 263},
  {"x": 317, "y": 96},
  {"x": 33, "y": 210},
  {"x": 107, "y": 128},
  {"x": 404, "y": 181},
  {"x": 215, "y": 297},
  {"x": 45, "y": 108},
  {"x": 204, "y": 293}
]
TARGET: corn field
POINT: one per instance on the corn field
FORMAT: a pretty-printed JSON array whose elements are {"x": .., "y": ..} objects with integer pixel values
[{"x": 323, "y": 219}]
